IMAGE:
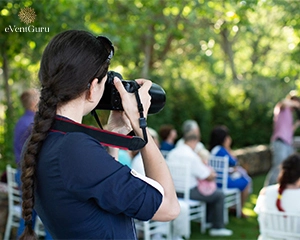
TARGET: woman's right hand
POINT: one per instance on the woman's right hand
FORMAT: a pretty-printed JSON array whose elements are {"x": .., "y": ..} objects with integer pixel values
[{"x": 129, "y": 102}]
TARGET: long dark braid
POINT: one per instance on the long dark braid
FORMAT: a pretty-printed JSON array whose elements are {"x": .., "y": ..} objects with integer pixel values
[
  {"x": 42, "y": 123},
  {"x": 289, "y": 174},
  {"x": 70, "y": 62}
]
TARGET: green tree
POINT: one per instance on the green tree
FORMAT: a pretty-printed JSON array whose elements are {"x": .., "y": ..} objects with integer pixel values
[{"x": 220, "y": 62}]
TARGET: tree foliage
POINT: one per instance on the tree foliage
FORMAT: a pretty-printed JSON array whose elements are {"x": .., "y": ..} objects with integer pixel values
[{"x": 220, "y": 62}]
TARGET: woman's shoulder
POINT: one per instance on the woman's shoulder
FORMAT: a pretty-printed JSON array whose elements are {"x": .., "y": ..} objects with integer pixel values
[
  {"x": 219, "y": 151},
  {"x": 269, "y": 190}
]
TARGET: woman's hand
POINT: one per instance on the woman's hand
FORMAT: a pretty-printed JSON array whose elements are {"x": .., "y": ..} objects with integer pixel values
[
  {"x": 118, "y": 122},
  {"x": 129, "y": 102}
]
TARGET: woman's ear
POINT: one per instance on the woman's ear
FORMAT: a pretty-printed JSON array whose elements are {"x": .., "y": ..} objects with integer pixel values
[{"x": 92, "y": 85}]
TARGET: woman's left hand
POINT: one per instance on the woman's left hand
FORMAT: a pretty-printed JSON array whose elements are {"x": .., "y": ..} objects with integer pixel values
[{"x": 118, "y": 122}]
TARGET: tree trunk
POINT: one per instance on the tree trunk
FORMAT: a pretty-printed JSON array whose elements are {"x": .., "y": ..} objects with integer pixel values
[
  {"x": 227, "y": 48},
  {"x": 6, "y": 86}
]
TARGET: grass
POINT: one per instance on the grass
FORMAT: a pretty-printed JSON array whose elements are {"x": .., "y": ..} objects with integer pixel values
[{"x": 242, "y": 228}]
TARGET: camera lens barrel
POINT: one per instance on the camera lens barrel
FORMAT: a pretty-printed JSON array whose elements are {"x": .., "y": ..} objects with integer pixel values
[{"x": 111, "y": 99}]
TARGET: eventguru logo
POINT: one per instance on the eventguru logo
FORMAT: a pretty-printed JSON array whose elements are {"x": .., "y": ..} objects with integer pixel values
[{"x": 26, "y": 15}]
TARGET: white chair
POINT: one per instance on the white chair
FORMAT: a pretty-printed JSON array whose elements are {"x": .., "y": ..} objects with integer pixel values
[
  {"x": 14, "y": 205},
  {"x": 279, "y": 225},
  {"x": 39, "y": 227},
  {"x": 149, "y": 228},
  {"x": 14, "y": 201},
  {"x": 232, "y": 195},
  {"x": 197, "y": 209}
]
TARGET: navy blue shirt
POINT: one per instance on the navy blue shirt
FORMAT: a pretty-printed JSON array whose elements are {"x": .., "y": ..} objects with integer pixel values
[{"x": 82, "y": 192}]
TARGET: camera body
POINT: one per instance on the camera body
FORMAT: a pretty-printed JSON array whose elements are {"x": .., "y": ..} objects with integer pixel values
[{"x": 111, "y": 99}]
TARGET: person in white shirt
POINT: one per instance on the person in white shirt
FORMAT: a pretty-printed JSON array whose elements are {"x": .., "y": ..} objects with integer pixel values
[
  {"x": 191, "y": 126},
  {"x": 215, "y": 202},
  {"x": 284, "y": 195}
]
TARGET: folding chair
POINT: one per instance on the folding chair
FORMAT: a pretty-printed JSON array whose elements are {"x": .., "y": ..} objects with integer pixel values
[
  {"x": 14, "y": 201},
  {"x": 14, "y": 205},
  {"x": 232, "y": 195},
  {"x": 149, "y": 228},
  {"x": 279, "y": 225},
  {"x": 197, "y": 209},
  {"x": 39, "y": 227}
]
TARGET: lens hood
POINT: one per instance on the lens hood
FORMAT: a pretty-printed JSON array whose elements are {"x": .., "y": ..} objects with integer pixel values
[{"x": 158, "y": 98}]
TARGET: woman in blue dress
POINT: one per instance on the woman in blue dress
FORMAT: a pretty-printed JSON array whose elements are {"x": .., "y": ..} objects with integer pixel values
[{"x": 220, "y": 145}]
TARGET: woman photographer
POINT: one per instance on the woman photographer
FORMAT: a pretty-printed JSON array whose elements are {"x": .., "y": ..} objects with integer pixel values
[{"x": 78, "y": 189}]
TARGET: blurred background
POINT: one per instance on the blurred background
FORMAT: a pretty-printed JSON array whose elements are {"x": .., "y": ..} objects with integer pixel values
[{"x": 220, "y": 61}]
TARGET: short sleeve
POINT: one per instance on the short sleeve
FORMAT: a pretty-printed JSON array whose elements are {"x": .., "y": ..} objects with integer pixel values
[{"x": 91, "y": 174}]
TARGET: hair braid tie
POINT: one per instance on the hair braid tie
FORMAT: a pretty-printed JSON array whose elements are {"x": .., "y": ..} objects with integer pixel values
[{"x": 278, "y": 200}]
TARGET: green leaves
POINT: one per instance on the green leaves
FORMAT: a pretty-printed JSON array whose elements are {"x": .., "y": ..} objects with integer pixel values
[{"x": 241, "y": 54}]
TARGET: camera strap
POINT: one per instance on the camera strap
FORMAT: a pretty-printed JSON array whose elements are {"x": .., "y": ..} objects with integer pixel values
[
  {"x": 142, "y": 122},
  {"x": 106, "y": 138}
]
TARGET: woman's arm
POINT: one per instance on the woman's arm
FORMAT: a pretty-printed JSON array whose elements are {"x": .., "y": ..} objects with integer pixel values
[
  {"x": 154, "y": 163},
  {"x": 156, "y": 168}
]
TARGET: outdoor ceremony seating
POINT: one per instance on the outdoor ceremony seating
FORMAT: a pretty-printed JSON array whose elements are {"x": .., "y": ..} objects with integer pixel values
[
  {"x": 232, "y": 195},
  {"x": 14, "y": 202},
  {"x": 149, "y": 228},
  {"x": 279, "y": 225},
  {"x": 197, "y": 209},
  {"x": 14, "y": 205}
]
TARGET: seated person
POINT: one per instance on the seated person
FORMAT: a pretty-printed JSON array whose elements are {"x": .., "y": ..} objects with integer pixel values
[
  {"x": 185, "y": 152},
  {"x": 284, "y": 195},
  {"x": 220, "y": 145},
  {"x": 137, "y": 161},
  {"x": 191, "y": 126},
  {"x": 168, "y": 135},
  {"x": 287, "y": 192}
]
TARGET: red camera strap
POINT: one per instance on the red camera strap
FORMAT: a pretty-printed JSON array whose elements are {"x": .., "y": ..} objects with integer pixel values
[{"x": 106, "y": 138}]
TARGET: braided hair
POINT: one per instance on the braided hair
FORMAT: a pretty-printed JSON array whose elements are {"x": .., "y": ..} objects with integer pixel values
[
  {"x": 289, "y": 174},
  {"x": 70, "y": 61}
]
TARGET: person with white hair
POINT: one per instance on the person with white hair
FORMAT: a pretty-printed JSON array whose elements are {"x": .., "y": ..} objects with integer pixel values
[
  {"x": 185, "y": 153},
  {"x": 191, "y": 126}
]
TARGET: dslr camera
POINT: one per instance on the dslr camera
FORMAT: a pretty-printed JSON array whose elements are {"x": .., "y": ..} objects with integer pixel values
[{"x": 111, "y": 99}]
